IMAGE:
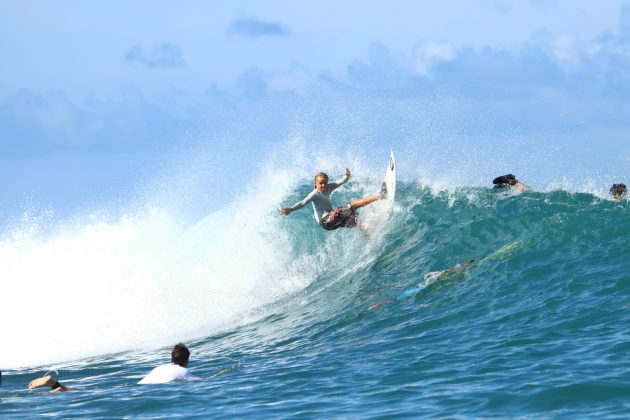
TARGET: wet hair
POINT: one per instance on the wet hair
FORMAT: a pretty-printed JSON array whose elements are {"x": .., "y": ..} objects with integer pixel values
[
  {"x": 504, "y": 181},
  {"x": 180, "y": 355},
  {"x": 320, "y": 175},
  {"x": 618, "y": 190}
]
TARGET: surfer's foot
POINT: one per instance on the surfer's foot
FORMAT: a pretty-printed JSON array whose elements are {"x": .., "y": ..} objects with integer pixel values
[
  {"x": 47, "y": 380},
  {"x": 383, "y": 193}
]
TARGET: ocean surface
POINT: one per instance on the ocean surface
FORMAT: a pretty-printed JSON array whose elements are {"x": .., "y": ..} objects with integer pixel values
[{"x": 286, "y": 320}]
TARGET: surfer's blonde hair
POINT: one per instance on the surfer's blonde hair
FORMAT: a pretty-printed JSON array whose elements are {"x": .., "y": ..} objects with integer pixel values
[{"x": 320, "y": 175}]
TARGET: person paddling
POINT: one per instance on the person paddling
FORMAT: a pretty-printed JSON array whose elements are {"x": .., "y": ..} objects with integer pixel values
[{"x": 509, "y": 181}]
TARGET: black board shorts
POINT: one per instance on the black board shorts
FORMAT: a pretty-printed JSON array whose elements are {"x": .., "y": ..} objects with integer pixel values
[{"x": 344, "y": 216}]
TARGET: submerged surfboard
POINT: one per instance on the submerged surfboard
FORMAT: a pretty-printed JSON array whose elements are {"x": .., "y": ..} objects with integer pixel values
[{"x": 381, "y": 209}]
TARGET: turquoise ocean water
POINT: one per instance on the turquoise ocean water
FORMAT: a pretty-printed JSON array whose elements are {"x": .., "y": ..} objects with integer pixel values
[{"x": 277, "y": 314}]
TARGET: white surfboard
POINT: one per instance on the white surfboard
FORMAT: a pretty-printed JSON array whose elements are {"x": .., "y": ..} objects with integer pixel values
[
  {"x": 379, "y": 211},
  {"x": 390, "y": 182}
]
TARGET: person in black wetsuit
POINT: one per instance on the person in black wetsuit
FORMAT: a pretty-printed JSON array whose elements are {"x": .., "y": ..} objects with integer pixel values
[
  {"x": 508, "y": 181},
  {"x": 618, "y": 191}
]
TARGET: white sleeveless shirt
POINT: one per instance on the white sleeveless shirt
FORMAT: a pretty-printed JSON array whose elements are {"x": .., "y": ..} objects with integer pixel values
[{"x": 167, "y": 373}]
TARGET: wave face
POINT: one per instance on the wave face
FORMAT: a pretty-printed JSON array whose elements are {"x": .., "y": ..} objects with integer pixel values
[{"x": 319, "y": 324}]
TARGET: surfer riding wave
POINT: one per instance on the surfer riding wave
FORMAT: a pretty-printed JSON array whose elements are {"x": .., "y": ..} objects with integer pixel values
[{"x": 326, "y": 216}]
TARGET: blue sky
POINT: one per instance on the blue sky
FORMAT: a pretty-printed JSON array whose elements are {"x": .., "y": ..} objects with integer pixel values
[{"x": 96, "y": 95}]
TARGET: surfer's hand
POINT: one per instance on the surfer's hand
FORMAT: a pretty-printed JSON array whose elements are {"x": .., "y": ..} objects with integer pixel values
[
  {"x": 348, "y": 172},
  {"x": 286, "y": 211}
]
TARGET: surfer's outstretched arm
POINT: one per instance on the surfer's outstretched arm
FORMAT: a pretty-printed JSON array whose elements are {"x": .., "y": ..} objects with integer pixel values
[
  {"x": 521, "y": 187},
  {"x": 288, "y": 210},
  {"x": 345, "y": 178}
]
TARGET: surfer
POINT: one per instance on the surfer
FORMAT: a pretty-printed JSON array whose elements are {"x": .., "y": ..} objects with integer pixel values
[
  {"x": 47, "y": 380},
  {"x": 176, "y": 370},
  {"x": 429, "y": 279},
  {"x": 500, "y": 254},
  {"x": 325, "y": 215},
  {"x": 509, "y": 180},
  {"x": 618, "y": 191}
]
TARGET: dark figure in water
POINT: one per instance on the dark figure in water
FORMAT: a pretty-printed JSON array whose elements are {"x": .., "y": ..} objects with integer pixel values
[
  {"x": 618, "y": 191},
  {"x": 458, "y": 271},
  {"x": 429, "y": 279},
  {"x": 509, "y": 180}
]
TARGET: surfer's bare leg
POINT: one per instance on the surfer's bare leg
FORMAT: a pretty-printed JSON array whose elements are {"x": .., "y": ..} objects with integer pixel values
[
  {"x": 48, "y": 381},
  {"x": 361, "y": 202}
]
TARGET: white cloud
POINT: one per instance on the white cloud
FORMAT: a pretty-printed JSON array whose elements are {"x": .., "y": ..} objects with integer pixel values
[
  {"x": 425, "y": 55},
  {"x": 566, "y": 50}
]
